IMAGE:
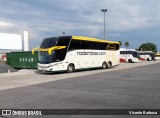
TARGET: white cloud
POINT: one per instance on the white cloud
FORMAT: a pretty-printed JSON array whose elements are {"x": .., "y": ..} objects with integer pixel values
[
  {"x": 115, "y": 34},
  {"x": 5, "y": 24},
  {"x": 84, "y": 17},
  {"x": 122, "y": 15}
]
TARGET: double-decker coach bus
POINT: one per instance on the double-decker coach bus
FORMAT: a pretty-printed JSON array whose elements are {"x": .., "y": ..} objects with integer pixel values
[
  {"x": 147, "y": 55},
  {"x": 129, "y": 56},
  {"x": 76, "y": 52}
]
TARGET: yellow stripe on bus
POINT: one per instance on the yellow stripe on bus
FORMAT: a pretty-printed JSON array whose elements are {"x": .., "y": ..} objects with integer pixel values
[
  {"x": 34, "y": 49},
  {"x": 55, "y": 48},
  {"x": 92, "y": 39},
  {"x": 49, "y": 50}
]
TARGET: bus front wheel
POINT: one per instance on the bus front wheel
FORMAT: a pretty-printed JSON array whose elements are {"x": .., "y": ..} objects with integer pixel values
[
  {"x": 130, "y": 61},
  {"x": 70, "y": 68},
  {"x": 149, "y": 59}
]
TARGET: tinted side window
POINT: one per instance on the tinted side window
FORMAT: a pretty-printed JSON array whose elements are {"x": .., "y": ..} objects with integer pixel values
[
  {"x": 117, "y": 46},
  {"x": 121, "y": 52},
  {"x": 77, "y": 44},
  {"x": 63, "y": 41},
  {"x": 102, "y": 46},
  {"x": 96, "y": 45}
]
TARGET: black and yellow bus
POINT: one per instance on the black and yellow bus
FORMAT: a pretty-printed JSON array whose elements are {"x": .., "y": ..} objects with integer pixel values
[{"x": 76, "y": 52}]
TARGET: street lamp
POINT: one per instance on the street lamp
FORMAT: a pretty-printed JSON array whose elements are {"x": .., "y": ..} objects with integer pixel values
[{"x": 104, "y": 10}]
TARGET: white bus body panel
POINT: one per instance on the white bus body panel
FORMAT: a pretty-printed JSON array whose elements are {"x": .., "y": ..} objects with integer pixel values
[
  {"x": 113, "y": 56},
  {"x": 157, "y": 58},
  {"x": 145, "y": 57},
  {"x": 126, "y": 57},
  {"x": 83, "y": 59}
]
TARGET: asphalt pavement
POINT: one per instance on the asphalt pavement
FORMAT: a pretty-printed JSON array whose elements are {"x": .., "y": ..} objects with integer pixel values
[
  {"x": 32, "y": 77},
  {"x": 4, "y": 68},
  {"x": 132, "y": 88}
]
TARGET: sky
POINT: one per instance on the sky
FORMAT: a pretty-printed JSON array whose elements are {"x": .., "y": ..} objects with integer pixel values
[{"x": 134, "y": 21}]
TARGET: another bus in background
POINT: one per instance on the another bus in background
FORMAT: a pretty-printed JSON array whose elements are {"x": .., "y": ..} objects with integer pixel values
[
  {"x": 70, "y": 53},
  {"x": 147, "y": 55},
  {"x": 157, "y": 56},
  {"x": 129, "y": 56}
]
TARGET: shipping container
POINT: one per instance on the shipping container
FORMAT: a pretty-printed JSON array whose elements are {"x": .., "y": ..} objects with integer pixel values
[
  {"x": 22, "y": 60},
  {"x": 8, "y": 55}
]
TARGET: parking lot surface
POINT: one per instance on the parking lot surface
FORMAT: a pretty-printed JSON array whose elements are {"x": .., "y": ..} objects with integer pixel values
[
  {"x": 32, "y": 77},
  {"x": 126, "y": 88}
]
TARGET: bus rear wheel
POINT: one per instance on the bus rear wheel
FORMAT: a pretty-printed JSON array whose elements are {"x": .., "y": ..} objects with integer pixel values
[
  {"x": 70, "y": 68},
  {"x": 109, "y": 64},
  {"x": 104, "y": 65}
]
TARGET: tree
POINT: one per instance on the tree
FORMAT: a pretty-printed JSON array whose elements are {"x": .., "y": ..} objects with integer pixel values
[
  {"x": 126, "y": 44},
  {"x": 63, "y": 33},
  {"x": 148, "y": 47},
  {"x": 120, "y": 43}
]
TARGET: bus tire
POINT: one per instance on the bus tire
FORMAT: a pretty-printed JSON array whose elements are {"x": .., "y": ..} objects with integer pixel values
[
  {"x": 104, "y": 65},
  {"x": 148, "y": 59},
  {"x": 109, "y": 64},
  {"x": 70, "y": 68},
  {"x": 130, "y": 61}
]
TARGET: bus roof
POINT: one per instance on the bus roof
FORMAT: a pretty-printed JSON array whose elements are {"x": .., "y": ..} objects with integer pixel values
[
  {"x": 92, "y": 39},
  {"x": 129, "y": 50},
  {"x": 145, "y": 51},
  {"x": 88, "y": 39}
]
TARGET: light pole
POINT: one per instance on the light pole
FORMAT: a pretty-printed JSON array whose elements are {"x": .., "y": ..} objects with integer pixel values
[{"x": 104, "y": 10}]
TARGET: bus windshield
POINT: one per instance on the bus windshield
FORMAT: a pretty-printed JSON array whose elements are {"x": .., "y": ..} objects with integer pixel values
[
  {"x": 49, "y": 42},
  {"x": 56, "y": 55},
  {"x": 135, "y": 54},
  {"x": 44, "y": 58}
]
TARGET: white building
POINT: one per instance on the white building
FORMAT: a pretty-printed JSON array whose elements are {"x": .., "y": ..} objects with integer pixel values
[{"x": 9, "y": 43}]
